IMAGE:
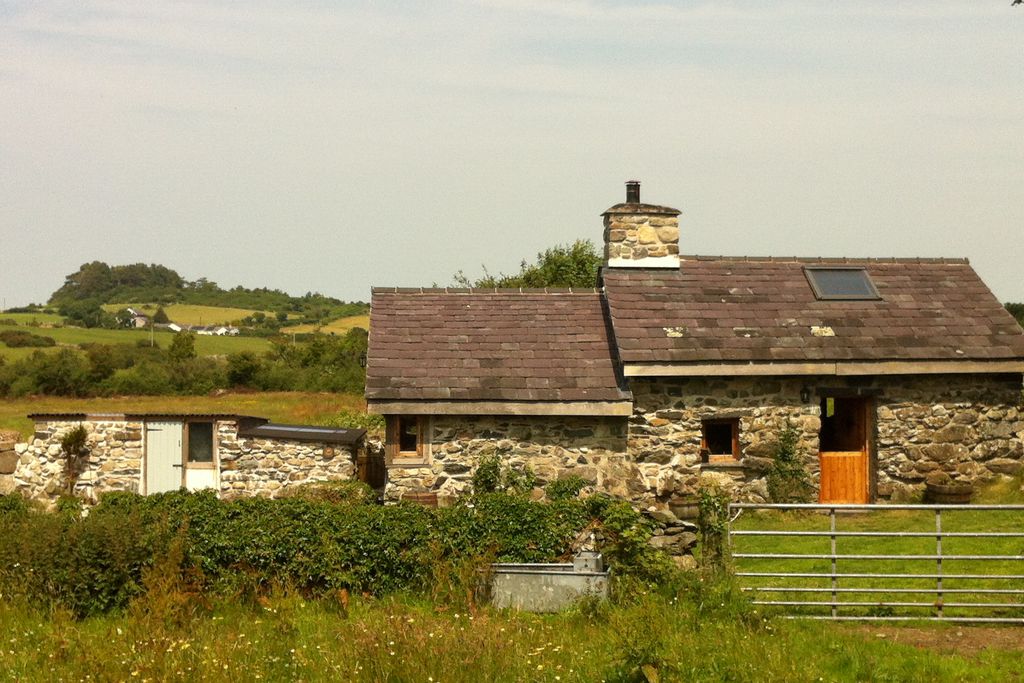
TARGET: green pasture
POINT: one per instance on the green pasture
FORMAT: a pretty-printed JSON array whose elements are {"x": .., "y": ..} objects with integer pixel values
[
  {"x": 191, "y": 314},
  {"x": 206, "y": 345},
  {"x": 32, "y": 319}
]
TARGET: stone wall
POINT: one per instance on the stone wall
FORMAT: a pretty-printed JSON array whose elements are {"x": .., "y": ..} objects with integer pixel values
[
  {"x": 969, "y": 426},
  {"x": 270, "y": 467},
  {"x": 635, "y": 236},
  {"x": 592, "y": 448},
  {"x": 8, "y": 461},
  {"x": 113, "y": 464},
  {"x": 248, "y": 467}
]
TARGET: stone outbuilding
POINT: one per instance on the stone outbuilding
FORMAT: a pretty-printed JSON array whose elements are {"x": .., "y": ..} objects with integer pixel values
[
  {"x": 675, "y": 367},
  {"x": 235, "y": 455}
]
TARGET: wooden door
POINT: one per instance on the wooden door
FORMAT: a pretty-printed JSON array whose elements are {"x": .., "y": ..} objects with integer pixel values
[
  {"x": 163, "y": 456},
  {"x": 845, "y": 450}
]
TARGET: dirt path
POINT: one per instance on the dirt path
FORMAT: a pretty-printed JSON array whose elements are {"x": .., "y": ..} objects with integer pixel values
[{"x": 963, "y": 640}]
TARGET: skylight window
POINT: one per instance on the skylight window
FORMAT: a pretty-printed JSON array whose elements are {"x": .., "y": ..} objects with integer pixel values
[{"x": 841, "y": 283}]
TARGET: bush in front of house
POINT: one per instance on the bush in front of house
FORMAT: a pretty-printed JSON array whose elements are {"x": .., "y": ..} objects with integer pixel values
[
  {"x": 788, "y": 481},
  {"x": 316, "y": 545}
]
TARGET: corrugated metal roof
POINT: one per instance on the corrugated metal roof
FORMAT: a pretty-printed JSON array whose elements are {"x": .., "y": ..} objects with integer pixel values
[{"x": 271, "y": 430}]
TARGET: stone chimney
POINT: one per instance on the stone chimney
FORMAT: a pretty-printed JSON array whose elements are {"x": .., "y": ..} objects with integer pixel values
[{"x": 640, "y": 235}]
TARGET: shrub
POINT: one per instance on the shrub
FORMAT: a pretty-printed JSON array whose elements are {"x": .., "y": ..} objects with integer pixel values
[
  {"x": 712, "y": 523},
  {"x": 75, "y": 451},
  {"x": 183, "y": 346},
  {"x": 318, "y": 542},
  {"x": 348, "y": 492},
  {"x": 13, "y": 504},
  {"x": 22, "y": 339},
  {"x": 144, "y": 379},
  {"x": 351, "y": 419},
  {"x": 242, "y": 368},
  {"x": 566, "y": 487},
  {"x": 493, "y": 476},
  {"x": 788, "y": 481},
  {"x": 64, "y": 373},
  {"x": 88, "y": 565}
]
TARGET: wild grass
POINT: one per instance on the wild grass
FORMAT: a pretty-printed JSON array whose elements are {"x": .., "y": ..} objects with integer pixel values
[
  {"x": 699, "y": 636},
  {"x": 1007, "y": 491},
  {"x": 287, "y": 407}
]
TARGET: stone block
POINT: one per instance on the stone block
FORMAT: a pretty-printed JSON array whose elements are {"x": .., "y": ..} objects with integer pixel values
[
  {"x": 668, "y": 233},
  {"x": 944, "y": 452},
  {"x": 647, "y": 235},
  {"x": 8, "y": 462},
  {"x": 1005, "y": 466}
]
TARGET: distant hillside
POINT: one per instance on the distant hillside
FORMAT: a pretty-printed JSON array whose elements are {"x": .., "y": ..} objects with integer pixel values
[{"x": 97, "y": 284}]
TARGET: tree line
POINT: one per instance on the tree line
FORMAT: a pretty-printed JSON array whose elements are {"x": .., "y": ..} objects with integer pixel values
[
  {"x": 323, "y": 363},
  {"x": 94, "y": 284}
]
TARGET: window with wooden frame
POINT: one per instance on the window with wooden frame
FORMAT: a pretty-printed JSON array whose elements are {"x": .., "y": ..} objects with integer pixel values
[
  {"x": 407, "y": 440},
  {"x": 200, "y": 444},
  {"x": 720, "y": 439}
]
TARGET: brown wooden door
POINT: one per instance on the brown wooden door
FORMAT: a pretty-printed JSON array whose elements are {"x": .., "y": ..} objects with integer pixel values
[{"x": 844, "y": 457}]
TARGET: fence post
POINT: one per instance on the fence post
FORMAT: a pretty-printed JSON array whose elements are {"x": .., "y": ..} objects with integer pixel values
[
  {"x": 835, "y": 581},
  {"x": 938, "y": 562}
]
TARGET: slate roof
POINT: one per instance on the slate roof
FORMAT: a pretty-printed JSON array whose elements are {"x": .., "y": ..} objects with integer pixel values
[
  {"x": 743, "y": 309},
  {"x": 495, "y": 345}
]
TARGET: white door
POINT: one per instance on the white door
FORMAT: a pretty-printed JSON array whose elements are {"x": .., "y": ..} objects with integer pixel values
[{"x": 163, "y": 456}]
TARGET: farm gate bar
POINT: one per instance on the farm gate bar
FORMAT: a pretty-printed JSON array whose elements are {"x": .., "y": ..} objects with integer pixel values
[{"x": 796, "y": 606}]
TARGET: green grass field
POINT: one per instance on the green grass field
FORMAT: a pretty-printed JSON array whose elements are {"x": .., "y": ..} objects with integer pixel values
[
  {"x": 339, "y": 326},
  {"x": 74, "y": 336},
  {"x": 287, "y": 407},
  {"x": 32, "y": 318},
  {"x": 961, "y": 520}
]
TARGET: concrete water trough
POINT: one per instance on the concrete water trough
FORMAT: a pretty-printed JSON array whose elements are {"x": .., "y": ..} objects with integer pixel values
[{"x": 548, "y": 587}]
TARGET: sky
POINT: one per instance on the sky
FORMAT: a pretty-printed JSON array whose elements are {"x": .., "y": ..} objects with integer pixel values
[{"x": 331, "y": 146}]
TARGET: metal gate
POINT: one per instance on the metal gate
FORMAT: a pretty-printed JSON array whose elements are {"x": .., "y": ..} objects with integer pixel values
[{"x": 870, "y": 573}]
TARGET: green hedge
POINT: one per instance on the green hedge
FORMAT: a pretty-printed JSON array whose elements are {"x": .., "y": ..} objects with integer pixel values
[{"x": 96, "y": 563}]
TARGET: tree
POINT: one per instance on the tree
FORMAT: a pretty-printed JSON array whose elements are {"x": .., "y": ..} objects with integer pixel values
[
  {"x": 160, "y": 317},
  {"x": 183, "y": 347},
  {"x": 87, "y": 313},
  {"x": 573, "y": 265},
  {"x": 124, "y": 318}
]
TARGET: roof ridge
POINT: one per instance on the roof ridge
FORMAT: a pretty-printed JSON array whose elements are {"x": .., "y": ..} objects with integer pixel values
[
  {"x": 828, "y": 259},
  {"x": 485, "y": 290}
]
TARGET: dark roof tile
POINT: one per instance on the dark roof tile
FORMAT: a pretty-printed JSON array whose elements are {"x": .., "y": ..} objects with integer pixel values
[
  {"x": 931, "y": 309},
  {"x": 499, "y": 345}
]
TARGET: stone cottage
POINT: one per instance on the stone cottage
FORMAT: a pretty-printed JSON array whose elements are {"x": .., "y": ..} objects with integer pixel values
[
  {"x": 235, "y": 455},
  {"x": 677, "y": 366}
]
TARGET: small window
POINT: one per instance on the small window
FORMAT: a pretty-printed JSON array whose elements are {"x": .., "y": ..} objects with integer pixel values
[
  {"x": 407, "y": 438},
  {"x": 850, "y": 284},
  {"x": 721, "y": 439},
  {"x": 200, "y": 442},
  {"x": 408, "y": 435}
]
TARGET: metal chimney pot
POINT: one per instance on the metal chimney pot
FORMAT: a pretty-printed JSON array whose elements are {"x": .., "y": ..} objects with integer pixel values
[{"x": 632, "y": 191}]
